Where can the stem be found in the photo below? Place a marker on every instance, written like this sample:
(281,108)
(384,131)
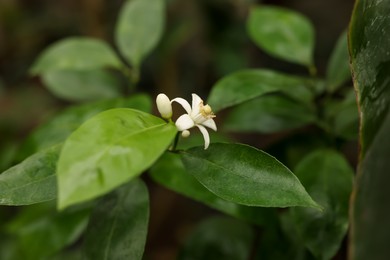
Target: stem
(312,70)
(173,148)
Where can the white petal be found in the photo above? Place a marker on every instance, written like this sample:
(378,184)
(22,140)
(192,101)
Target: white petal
(206,136)
(210,123)
(164,106)
(183,103)
(196,101)
(184,122)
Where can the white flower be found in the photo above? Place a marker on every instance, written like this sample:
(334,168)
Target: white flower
(198,115)
(164,106)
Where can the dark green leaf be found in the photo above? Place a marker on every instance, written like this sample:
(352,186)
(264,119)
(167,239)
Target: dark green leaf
(77,53)
(139,29)
(41,231)
(108,150)
(86,85)
(31,181)
(282,33)
(169,171)
(119,224)
(370,57)
(338,71)
(343,116)
(246,175)
(62,125)
(219,238)
(247,84)
(328,178)
(268,114)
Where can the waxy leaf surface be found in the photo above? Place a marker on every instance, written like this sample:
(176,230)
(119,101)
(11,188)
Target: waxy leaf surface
(169,171)
(328,178)
(369,43)
(108,150)
(57,129)
(31,181)
(119,224)
(246,175)
(248,84)
(282,33)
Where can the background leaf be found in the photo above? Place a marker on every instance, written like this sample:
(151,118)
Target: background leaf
(338,71)
(343,116)
(268,114)
(41,231)
(245,175)
(282,33)
(57,129)
(108,150)
(370,57)
(119,224)
(86,85)
(247,84)
(139,29)
(219,238)
(31,181)
(169,171)
(76,53)
(328,178)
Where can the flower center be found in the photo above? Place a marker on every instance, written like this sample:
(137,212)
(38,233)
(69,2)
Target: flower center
(205,112)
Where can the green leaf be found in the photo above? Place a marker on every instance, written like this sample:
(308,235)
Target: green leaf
(119,224)
(328,178)
(56,130)
(343,116)
(41,231)
(31,181)
(246,175)
(219,238)
(338,71)
(85,85)
(269,114)
(369,43)
(248,84)
(282,33)
(139,29)
(76,53)
(108,150)
(169,171)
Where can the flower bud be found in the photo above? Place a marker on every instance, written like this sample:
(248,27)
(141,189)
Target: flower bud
(164,106)
(185,133)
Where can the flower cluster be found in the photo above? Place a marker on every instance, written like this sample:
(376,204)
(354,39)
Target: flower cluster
(198,114)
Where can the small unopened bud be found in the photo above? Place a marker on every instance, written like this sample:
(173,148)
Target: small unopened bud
(164,106)
(185,133)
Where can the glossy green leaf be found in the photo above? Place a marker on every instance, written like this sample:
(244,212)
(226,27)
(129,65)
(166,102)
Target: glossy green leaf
(119,224)
(343,116)
(338,71)
(246,175)
(41,231)
(86,85)
(328,178)
(219,238)
(370,56)
(77,53)
(269,114)
(248,84)
(108,150)
(282,33)
(57,129)
(169,171)
(31,181)
(139,29)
